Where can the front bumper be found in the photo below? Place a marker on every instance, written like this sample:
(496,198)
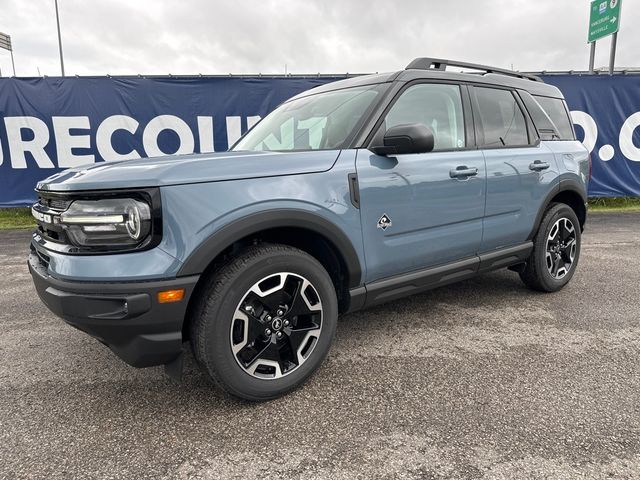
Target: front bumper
(125,316)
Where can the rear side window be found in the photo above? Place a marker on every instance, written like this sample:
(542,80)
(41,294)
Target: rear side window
(557,112)
(545,126)
(437,106)
(501,119)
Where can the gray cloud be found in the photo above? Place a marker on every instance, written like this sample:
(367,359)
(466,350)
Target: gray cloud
(329,36)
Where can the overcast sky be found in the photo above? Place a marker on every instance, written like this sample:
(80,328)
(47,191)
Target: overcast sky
(213,37)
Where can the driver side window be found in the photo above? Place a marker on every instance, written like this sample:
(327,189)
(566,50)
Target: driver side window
(437,106)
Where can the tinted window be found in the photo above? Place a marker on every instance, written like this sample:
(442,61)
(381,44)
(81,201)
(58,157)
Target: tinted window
(545,127)
(502,120)
(558,113)
(437,106)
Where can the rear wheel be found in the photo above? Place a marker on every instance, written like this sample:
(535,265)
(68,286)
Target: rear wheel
(556,250)
(265,322)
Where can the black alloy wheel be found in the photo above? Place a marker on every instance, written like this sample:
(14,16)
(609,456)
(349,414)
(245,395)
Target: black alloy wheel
(264,321)
(276,325)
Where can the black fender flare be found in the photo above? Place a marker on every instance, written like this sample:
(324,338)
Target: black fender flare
(238,229)
(565,185)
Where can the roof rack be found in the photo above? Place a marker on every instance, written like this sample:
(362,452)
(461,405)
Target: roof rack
(425,63)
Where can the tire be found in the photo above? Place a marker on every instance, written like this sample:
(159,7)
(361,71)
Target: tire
(555,248)
(271,303)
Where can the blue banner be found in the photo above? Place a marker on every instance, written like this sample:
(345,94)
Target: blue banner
(47,124)
(606,112)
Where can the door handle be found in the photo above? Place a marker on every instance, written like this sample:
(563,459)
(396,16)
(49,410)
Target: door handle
(538,166)
(463,172)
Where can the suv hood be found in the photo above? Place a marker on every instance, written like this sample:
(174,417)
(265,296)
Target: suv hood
(184,169)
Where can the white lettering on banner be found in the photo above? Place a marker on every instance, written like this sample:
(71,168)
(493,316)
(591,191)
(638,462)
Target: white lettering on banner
(234,130)
(606,152)
(18,147)
(205,134)
(627,146)
(589,126)
(65,142)
(106,130)
(167,122)
(20,142)
(251,121)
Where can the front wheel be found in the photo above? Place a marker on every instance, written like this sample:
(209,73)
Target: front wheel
(265,321)
(556,250)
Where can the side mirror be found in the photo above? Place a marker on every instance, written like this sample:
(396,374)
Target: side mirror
(409,138)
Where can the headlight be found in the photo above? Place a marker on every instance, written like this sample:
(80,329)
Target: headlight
(113,222)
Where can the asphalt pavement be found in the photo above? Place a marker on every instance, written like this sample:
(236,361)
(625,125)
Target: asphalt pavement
(483,379)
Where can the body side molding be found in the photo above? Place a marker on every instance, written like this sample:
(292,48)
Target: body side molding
(505,257)
(399,286)
(418,281)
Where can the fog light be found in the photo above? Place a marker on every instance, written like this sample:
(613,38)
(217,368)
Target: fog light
(169,296)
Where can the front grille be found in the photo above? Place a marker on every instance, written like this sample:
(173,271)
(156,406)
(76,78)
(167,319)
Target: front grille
(53,203)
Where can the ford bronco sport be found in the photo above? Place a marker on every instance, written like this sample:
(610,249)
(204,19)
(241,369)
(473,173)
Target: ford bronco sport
(351,194)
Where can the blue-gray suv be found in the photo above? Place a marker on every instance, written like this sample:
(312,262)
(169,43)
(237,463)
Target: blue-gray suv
(346,196)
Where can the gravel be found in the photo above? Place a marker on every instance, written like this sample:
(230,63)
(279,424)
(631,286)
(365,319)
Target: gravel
(483,379)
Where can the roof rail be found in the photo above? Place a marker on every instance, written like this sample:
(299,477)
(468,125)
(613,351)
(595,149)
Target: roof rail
(425,63)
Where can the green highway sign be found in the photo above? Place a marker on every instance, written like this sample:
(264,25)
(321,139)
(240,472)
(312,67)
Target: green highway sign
(5,41)
(604,18)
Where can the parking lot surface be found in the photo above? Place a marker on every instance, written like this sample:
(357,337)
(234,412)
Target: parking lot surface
(483,379)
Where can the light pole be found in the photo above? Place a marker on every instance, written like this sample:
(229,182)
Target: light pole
(59,39)
(5,43)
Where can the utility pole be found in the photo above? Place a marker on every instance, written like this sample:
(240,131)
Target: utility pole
(59,39)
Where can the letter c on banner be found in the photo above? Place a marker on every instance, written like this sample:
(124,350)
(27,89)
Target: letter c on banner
(167,122)
(106,131)
(627,147)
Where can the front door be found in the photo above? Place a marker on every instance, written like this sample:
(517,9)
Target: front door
(422,210)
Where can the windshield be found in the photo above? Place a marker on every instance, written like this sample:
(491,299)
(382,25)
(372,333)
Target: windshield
(317,122)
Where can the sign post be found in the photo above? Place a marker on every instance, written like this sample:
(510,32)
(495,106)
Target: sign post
(5,42)
(604,20)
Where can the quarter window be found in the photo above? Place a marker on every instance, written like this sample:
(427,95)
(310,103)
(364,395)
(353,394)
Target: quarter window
(501,118)
(557,112)
(437,106)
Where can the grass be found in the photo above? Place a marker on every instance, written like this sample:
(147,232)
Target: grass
(616,204)
(13,218)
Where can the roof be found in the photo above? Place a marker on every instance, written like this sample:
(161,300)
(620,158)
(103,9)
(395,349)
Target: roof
(362,80)
(429,68)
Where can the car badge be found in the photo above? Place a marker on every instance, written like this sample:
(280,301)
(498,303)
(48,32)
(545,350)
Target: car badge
(384,222)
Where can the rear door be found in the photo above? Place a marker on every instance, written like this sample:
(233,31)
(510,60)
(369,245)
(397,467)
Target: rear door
(422,210)
(521,170)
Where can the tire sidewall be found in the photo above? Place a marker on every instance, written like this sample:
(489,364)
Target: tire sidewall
(556,213)
(218,354)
